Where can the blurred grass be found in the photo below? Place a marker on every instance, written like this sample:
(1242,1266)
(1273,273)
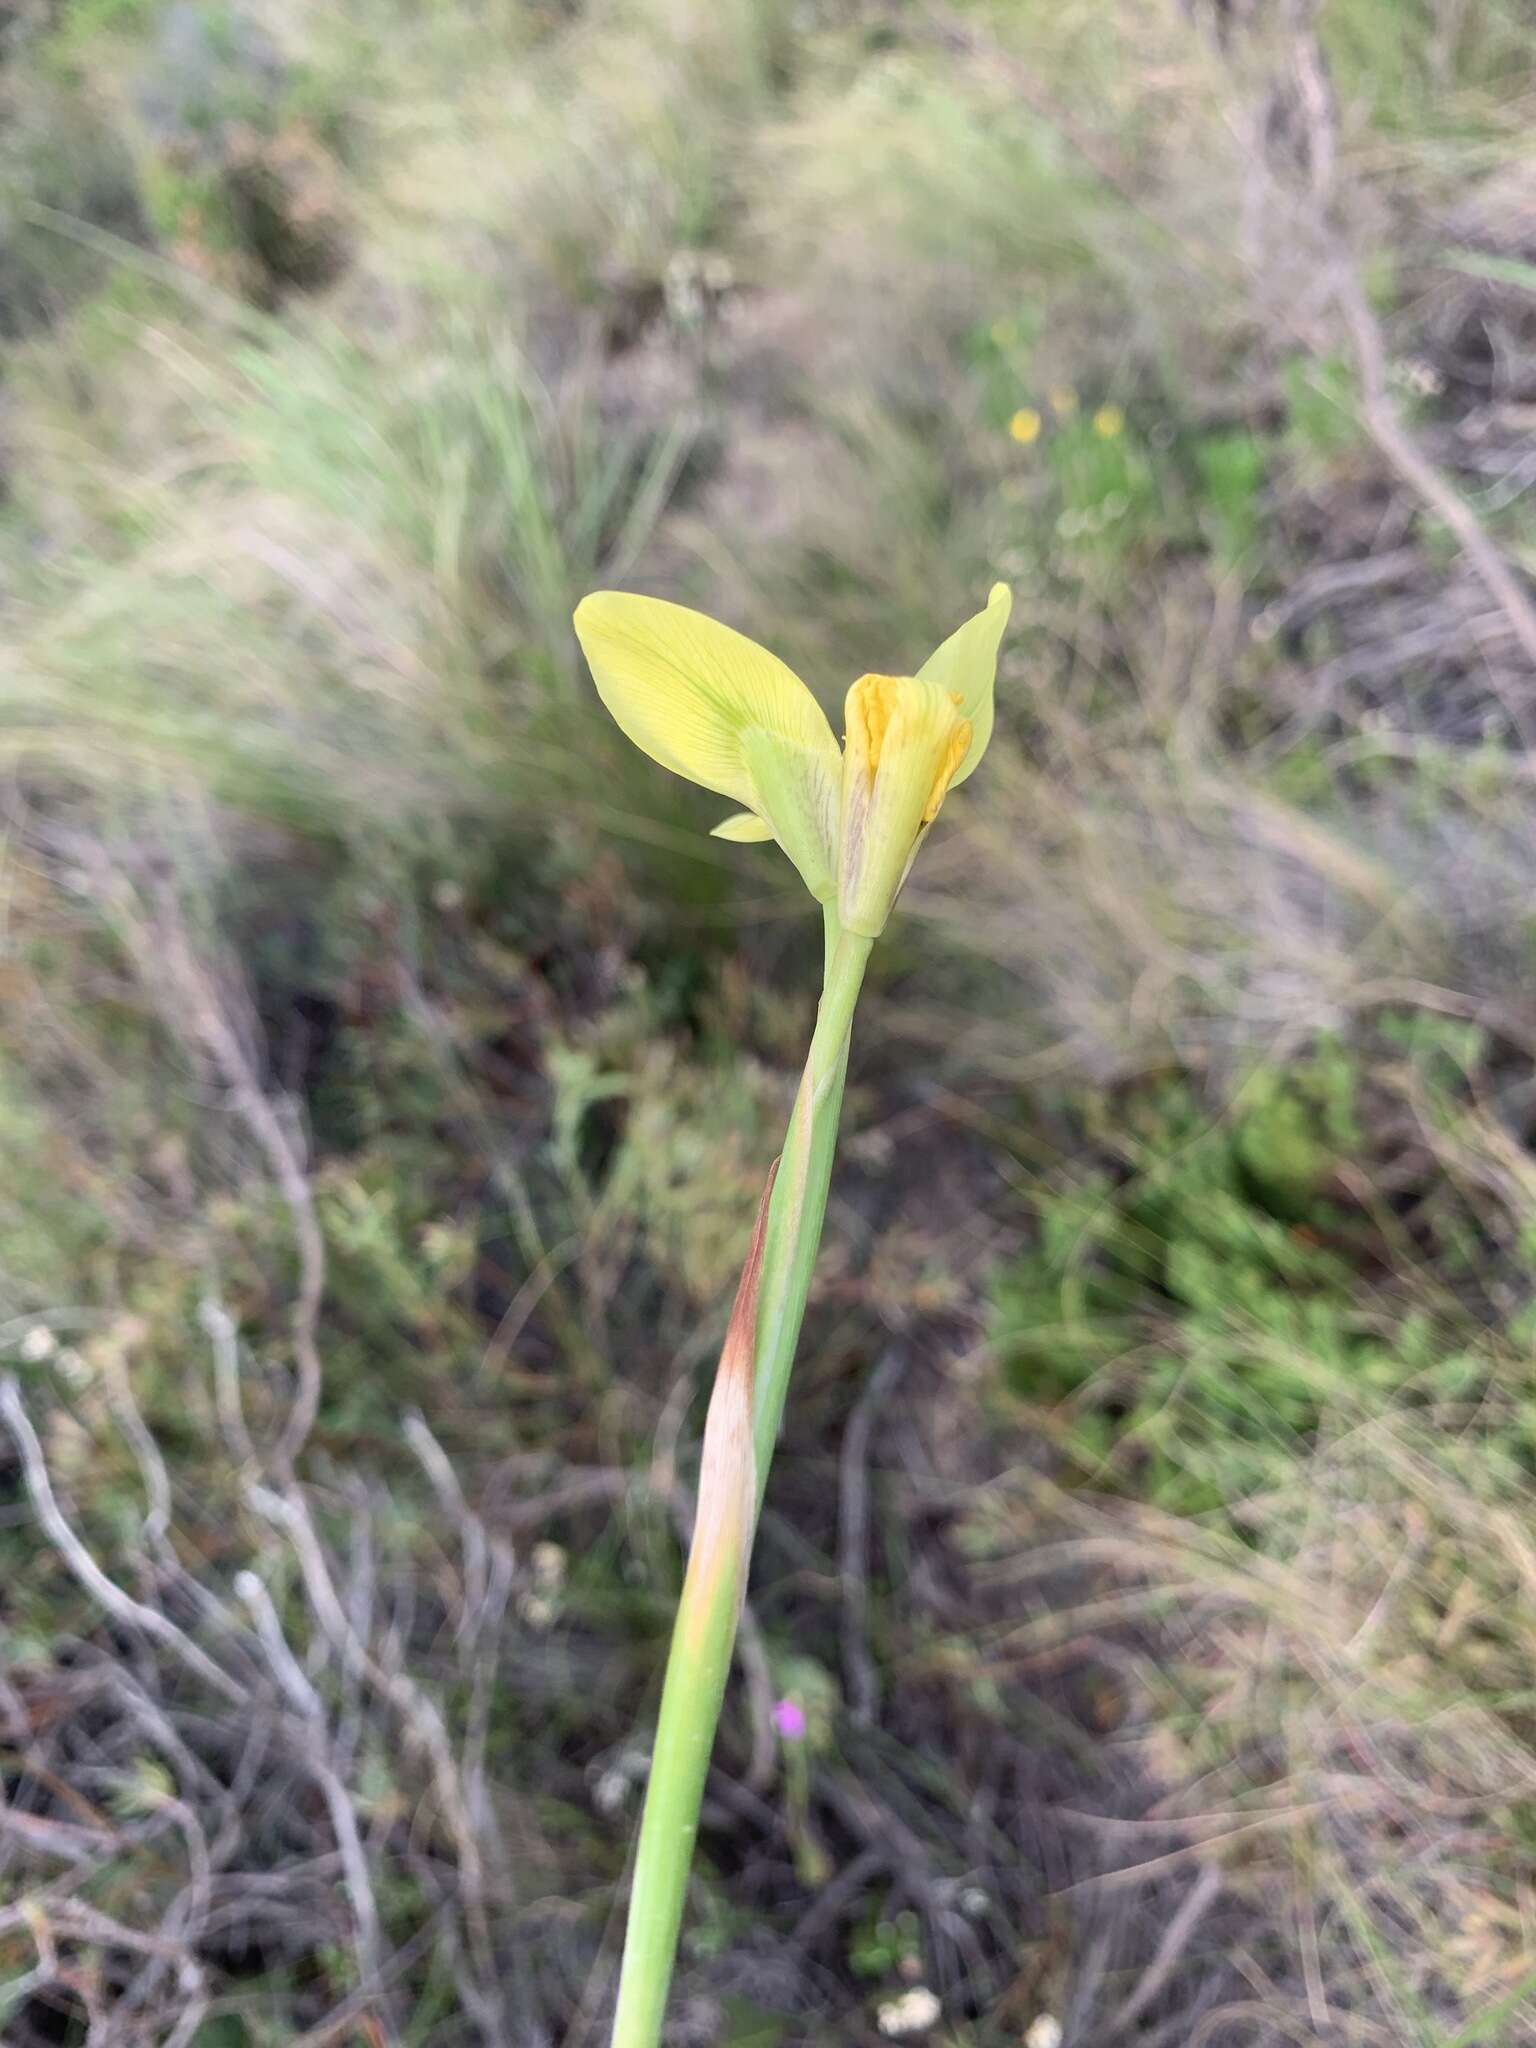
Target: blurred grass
(347,349)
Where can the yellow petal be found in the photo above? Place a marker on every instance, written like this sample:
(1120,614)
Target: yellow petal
(712,705)
(684,687)
(746,827)
(905,738)
(967,664)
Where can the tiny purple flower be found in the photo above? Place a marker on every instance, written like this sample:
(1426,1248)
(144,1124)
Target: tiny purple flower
(788,1717)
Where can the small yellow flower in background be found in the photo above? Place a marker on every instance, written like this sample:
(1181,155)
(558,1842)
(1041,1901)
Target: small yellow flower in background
(712,705)
(1108,421)
(1004,333)
(1063,401)
(1025,425)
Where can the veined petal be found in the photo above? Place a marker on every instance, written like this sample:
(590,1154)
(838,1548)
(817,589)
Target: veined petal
(710,704)
(797,789)
(743,826)
(967,664)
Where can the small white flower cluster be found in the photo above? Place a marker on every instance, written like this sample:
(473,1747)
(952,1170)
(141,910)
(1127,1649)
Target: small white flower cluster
(1044,2032)
(41,1347)
(612,1786)
(540,1602)
(1093,518)
(913,2013)
(694,279)
(1418,378)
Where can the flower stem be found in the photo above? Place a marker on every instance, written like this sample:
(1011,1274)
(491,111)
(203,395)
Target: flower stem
(799,1203)
(739,1436)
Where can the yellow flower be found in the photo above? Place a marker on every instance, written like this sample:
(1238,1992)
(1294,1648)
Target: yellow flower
(1004,333)
(713,706)
(1025,425)
(906,740)
(1108,421)
(1063,401)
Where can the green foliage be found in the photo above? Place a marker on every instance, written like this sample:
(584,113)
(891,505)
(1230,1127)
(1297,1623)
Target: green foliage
(1403,63)
(1232,469)
(880,1946)
(65,177)
(1109,490)
(450,453)
(906,155)
(1500,269)
(1322,411)
(750,2026)
(407,509)
(50,1228)
(1196,1318)
(1097,491)
(84,19)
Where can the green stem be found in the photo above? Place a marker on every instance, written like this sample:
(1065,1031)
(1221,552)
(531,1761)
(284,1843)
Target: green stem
(799,1204)
(704,1634)
(697,1667)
